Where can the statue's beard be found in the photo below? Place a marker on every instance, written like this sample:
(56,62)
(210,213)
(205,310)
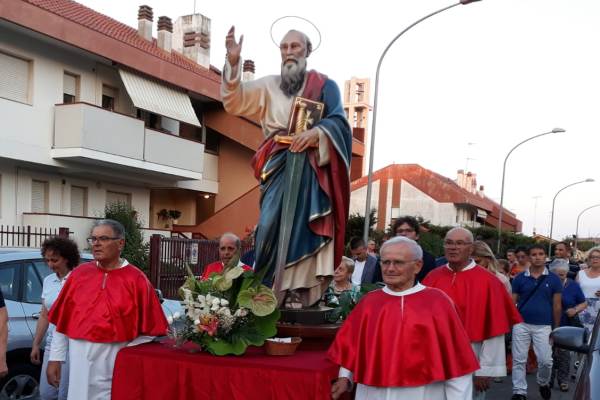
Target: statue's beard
(292,76)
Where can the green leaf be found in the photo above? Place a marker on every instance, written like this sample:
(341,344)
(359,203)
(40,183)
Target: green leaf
(261,301)
(267,325)
(223,348)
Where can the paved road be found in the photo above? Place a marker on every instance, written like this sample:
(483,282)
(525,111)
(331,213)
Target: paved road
(503,391)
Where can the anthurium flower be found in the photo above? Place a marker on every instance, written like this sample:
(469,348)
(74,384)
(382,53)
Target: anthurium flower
(223,282)
(261,301)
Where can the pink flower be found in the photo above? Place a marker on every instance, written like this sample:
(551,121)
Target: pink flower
(209,324)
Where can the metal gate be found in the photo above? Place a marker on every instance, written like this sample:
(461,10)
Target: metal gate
(169,256)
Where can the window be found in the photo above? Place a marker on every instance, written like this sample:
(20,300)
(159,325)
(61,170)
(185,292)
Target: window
(109,96)
(15,78)
(70,86)
(211,145)
(42,268)
(32,290)
(78,201)
(39,196)
(117,197)
(9,280)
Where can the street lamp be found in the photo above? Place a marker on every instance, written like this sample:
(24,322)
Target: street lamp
(577,226)
(555,130)
(552,214)
(374,124)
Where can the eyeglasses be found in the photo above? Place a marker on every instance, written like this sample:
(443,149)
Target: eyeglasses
(400,231)
(101,239)
(459,243)
(396,263)
(594,257)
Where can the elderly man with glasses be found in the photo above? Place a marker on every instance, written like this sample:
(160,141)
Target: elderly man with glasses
(485,307)
(105,305)
(405,341)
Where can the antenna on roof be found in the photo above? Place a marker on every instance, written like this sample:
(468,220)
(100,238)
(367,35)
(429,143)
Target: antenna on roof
(194,6)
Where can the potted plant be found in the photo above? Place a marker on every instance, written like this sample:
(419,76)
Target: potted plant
(174,215)
(163,215)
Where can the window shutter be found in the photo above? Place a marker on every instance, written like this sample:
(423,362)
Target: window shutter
(116,197)
(14,79)
(78,201)
(70,84)
(39,196)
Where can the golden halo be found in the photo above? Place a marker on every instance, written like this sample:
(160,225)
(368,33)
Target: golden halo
(303,21)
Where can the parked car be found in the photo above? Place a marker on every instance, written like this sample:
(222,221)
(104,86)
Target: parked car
(587,344)
(22,273)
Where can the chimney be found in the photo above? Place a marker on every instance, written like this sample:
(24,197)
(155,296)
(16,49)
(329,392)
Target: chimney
(145,17)
(248,71)
(191,37)
(165,33)
(460,178)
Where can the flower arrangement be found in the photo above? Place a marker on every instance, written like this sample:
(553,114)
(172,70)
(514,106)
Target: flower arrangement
(229,311)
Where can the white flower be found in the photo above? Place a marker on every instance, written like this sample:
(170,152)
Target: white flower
(216,301)
(224,303)
(196,322)
(215,307)
(241,312)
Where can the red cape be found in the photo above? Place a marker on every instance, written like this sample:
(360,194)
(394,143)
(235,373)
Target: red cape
(217,267)
(107,306)
(413,340)
(485,307)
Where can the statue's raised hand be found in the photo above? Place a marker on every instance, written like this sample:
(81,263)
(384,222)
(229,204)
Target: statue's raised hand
(234,49)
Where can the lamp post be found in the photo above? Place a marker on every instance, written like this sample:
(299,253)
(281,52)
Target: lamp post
(577,226)
(555,130)
(552,214)
(374,123)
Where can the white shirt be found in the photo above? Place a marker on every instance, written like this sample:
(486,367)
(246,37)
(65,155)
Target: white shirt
(359,267)
(50,291)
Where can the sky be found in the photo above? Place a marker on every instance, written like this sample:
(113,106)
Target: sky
(457,91)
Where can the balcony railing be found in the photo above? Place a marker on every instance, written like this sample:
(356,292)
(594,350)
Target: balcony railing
(87,133)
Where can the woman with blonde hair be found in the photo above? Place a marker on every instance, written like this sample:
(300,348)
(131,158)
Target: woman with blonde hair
(589,280)
(483,255)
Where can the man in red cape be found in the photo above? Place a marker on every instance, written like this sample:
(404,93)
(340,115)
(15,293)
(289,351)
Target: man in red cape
(105,305)
(229,245)
(317,223)
(483,304)
(404,341)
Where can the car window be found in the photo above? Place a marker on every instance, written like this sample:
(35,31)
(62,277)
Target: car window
(32,289)
(42,268)
(9,282)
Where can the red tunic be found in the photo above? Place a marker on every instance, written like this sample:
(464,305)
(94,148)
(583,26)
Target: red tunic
(401,341)
(217,267)
(105,306)
(485,307)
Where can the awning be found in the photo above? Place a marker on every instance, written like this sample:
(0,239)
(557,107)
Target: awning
(152,95)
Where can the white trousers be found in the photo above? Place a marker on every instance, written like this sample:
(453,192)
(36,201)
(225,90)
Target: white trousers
(460,388)
(523,335)
(91,369)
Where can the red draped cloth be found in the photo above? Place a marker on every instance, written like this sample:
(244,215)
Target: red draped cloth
(157,372)
(401,341)
(485,307)
(107,306)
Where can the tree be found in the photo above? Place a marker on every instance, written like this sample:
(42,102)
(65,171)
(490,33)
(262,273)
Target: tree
(135,251)
(356,225)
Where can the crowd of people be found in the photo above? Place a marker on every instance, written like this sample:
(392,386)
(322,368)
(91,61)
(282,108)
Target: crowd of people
(470,320)
(507,307)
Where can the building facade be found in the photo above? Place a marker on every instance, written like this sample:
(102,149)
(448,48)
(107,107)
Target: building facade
(95,112)
(409,189)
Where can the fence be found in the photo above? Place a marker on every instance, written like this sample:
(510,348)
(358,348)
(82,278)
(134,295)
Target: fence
(169,256)
(26,236)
